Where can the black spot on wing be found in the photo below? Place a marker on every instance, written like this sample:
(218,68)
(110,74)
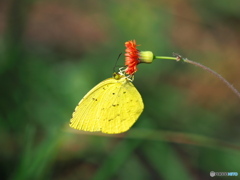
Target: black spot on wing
(123,120)
(115,105)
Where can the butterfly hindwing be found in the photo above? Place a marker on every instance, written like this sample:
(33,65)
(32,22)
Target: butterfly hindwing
(124,109)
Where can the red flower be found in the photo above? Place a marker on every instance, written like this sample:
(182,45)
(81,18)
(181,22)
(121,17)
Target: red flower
(132,57)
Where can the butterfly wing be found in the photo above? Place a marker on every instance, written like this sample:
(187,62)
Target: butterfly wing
(124,108)
(111,107)
(85,115)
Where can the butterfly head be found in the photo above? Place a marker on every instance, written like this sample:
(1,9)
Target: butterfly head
(122,74)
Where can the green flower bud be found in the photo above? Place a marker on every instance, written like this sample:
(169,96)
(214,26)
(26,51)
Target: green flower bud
(146,57)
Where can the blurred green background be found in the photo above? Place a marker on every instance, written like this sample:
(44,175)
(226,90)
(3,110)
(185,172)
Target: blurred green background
(53,52)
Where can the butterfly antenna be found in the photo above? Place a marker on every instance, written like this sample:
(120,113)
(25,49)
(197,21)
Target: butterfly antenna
(116,62)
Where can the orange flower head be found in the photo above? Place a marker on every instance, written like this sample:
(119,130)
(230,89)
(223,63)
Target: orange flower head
(133,57)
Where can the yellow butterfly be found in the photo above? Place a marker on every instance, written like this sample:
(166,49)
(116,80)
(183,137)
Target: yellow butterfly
(111,107)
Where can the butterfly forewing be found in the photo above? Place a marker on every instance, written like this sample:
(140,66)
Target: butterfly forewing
(111,107)
(83,117)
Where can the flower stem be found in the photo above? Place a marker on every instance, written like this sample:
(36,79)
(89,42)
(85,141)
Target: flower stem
(179,58)
(216,74)
(165,57)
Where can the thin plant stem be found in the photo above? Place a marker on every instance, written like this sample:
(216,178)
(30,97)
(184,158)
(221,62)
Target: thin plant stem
(216,74)
(165,57)
(179,58)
